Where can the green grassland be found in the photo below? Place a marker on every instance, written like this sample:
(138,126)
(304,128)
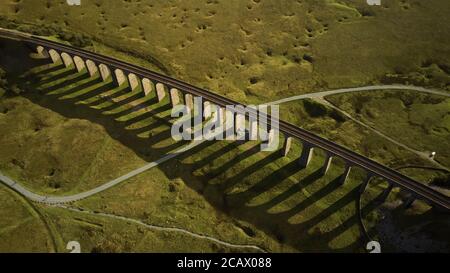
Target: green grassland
(99,233)
(186,193)
(420,121)
(65,133)
(256,51)
(28,227)
(226,190)
(331,124)
(22,227)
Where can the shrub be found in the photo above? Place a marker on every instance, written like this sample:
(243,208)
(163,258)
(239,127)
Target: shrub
(76,39)
(315,109)
(442,181)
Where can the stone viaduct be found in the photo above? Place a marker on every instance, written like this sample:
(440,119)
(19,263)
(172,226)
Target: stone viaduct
(178,92)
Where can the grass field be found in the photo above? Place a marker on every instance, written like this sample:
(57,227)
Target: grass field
(327,123)
(255,51)
(420,121)
(184,193)
(22,227)
(68,133)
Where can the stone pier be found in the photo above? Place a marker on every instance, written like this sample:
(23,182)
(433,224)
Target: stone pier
(207,111)
(240,126)
(92,68)
(79,64)
(67,60)
(160,91)
(134,81)
(147,86)
(189,102)
(120,77)
(271,137)
(42,52)
(174,97)
(253,130)
(326,164)
(306,156)
(345,174)
(229,125)
(54,55)
(287,145)
(105,72)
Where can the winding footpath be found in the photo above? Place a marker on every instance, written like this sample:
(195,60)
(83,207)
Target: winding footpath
(320,97)
(399,87)
(169,229)
(60,201)
(57,200)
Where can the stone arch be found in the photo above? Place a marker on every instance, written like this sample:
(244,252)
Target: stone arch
(135,83)
(306,154)
(120,76)
(67,60)
(160,91)
(207,111)
(92,68)
(54,55)
(189,102)
(42,52)
(239,126)
(174,96)
(105,72)
(147,85)
(79,63)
